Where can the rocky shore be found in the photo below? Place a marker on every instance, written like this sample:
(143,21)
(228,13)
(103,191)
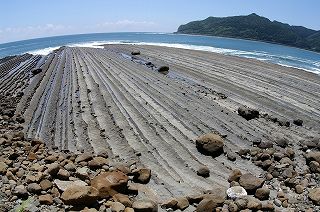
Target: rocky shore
(142,128)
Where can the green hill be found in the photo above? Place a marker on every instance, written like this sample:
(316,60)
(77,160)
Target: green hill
(254,27)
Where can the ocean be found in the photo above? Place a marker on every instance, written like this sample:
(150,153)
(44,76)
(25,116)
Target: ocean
(273,53)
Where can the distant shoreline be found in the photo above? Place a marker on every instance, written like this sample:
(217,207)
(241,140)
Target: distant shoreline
(238,38)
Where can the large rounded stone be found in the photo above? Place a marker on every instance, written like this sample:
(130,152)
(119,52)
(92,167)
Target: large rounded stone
(80,195)
(248,113)
(313,156)
(250,182)
(203,171)
(314,195)
(210,144)
(145,206)
(142,175)
(262,193)
(110,183)
(235,175)
(236,192)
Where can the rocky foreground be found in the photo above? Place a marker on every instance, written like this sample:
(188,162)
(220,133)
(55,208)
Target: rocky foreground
(141,128)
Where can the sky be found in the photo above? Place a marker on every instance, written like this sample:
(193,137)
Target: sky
(25,19)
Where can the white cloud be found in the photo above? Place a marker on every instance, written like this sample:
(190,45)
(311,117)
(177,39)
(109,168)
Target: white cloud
(126,25)
(26,32)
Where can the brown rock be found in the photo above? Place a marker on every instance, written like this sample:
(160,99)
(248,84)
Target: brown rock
(212,201)
(3,168)
(250,182)
(110,183)
(142,175)
(80,195)
(235,175)
(207,205)
(46,199)
(182,203)
(32,156)
(82,173)
(63,174)
(70,167)
(299,189)
(267,206)
(97,162)
(34,188)
(203,171)
(169,204)
(53,169)
(116,206)
(83,157)
(313,156)
(254,204)
(51,159)
(262,193)
(45,184)
(195,198)
(314,167)
(124,199)
(63,185)
(210,144)
(314,195)
(145,206)
(20,191)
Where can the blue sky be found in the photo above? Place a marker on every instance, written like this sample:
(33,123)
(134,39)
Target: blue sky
(24,19)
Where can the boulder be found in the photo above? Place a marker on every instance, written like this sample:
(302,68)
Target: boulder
(248,113)
(182,203)
(45,184)
(34,188)
(46,199)
(110,183)
(209,204)
(70,167)
(282,142)
(236,192)
(83,157)
(82,173)
(53,169)
(145,206)
(298,122)
(63,185)
(254,204)
(235,175)
(210,144)
(20,191)
(124,199)
(117,207)
(80,195)
(135,52)
(313,156)
(262,193)
(163,70)
(142,175)
(3,168)
(314,195)
(97,162)
(63,174)
(250,182)
(169,204)
(203,171)
(36,71)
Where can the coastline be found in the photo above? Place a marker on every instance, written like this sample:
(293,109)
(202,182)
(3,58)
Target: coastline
(253,40)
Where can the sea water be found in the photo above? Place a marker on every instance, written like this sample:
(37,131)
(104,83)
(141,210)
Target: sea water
(273,53)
